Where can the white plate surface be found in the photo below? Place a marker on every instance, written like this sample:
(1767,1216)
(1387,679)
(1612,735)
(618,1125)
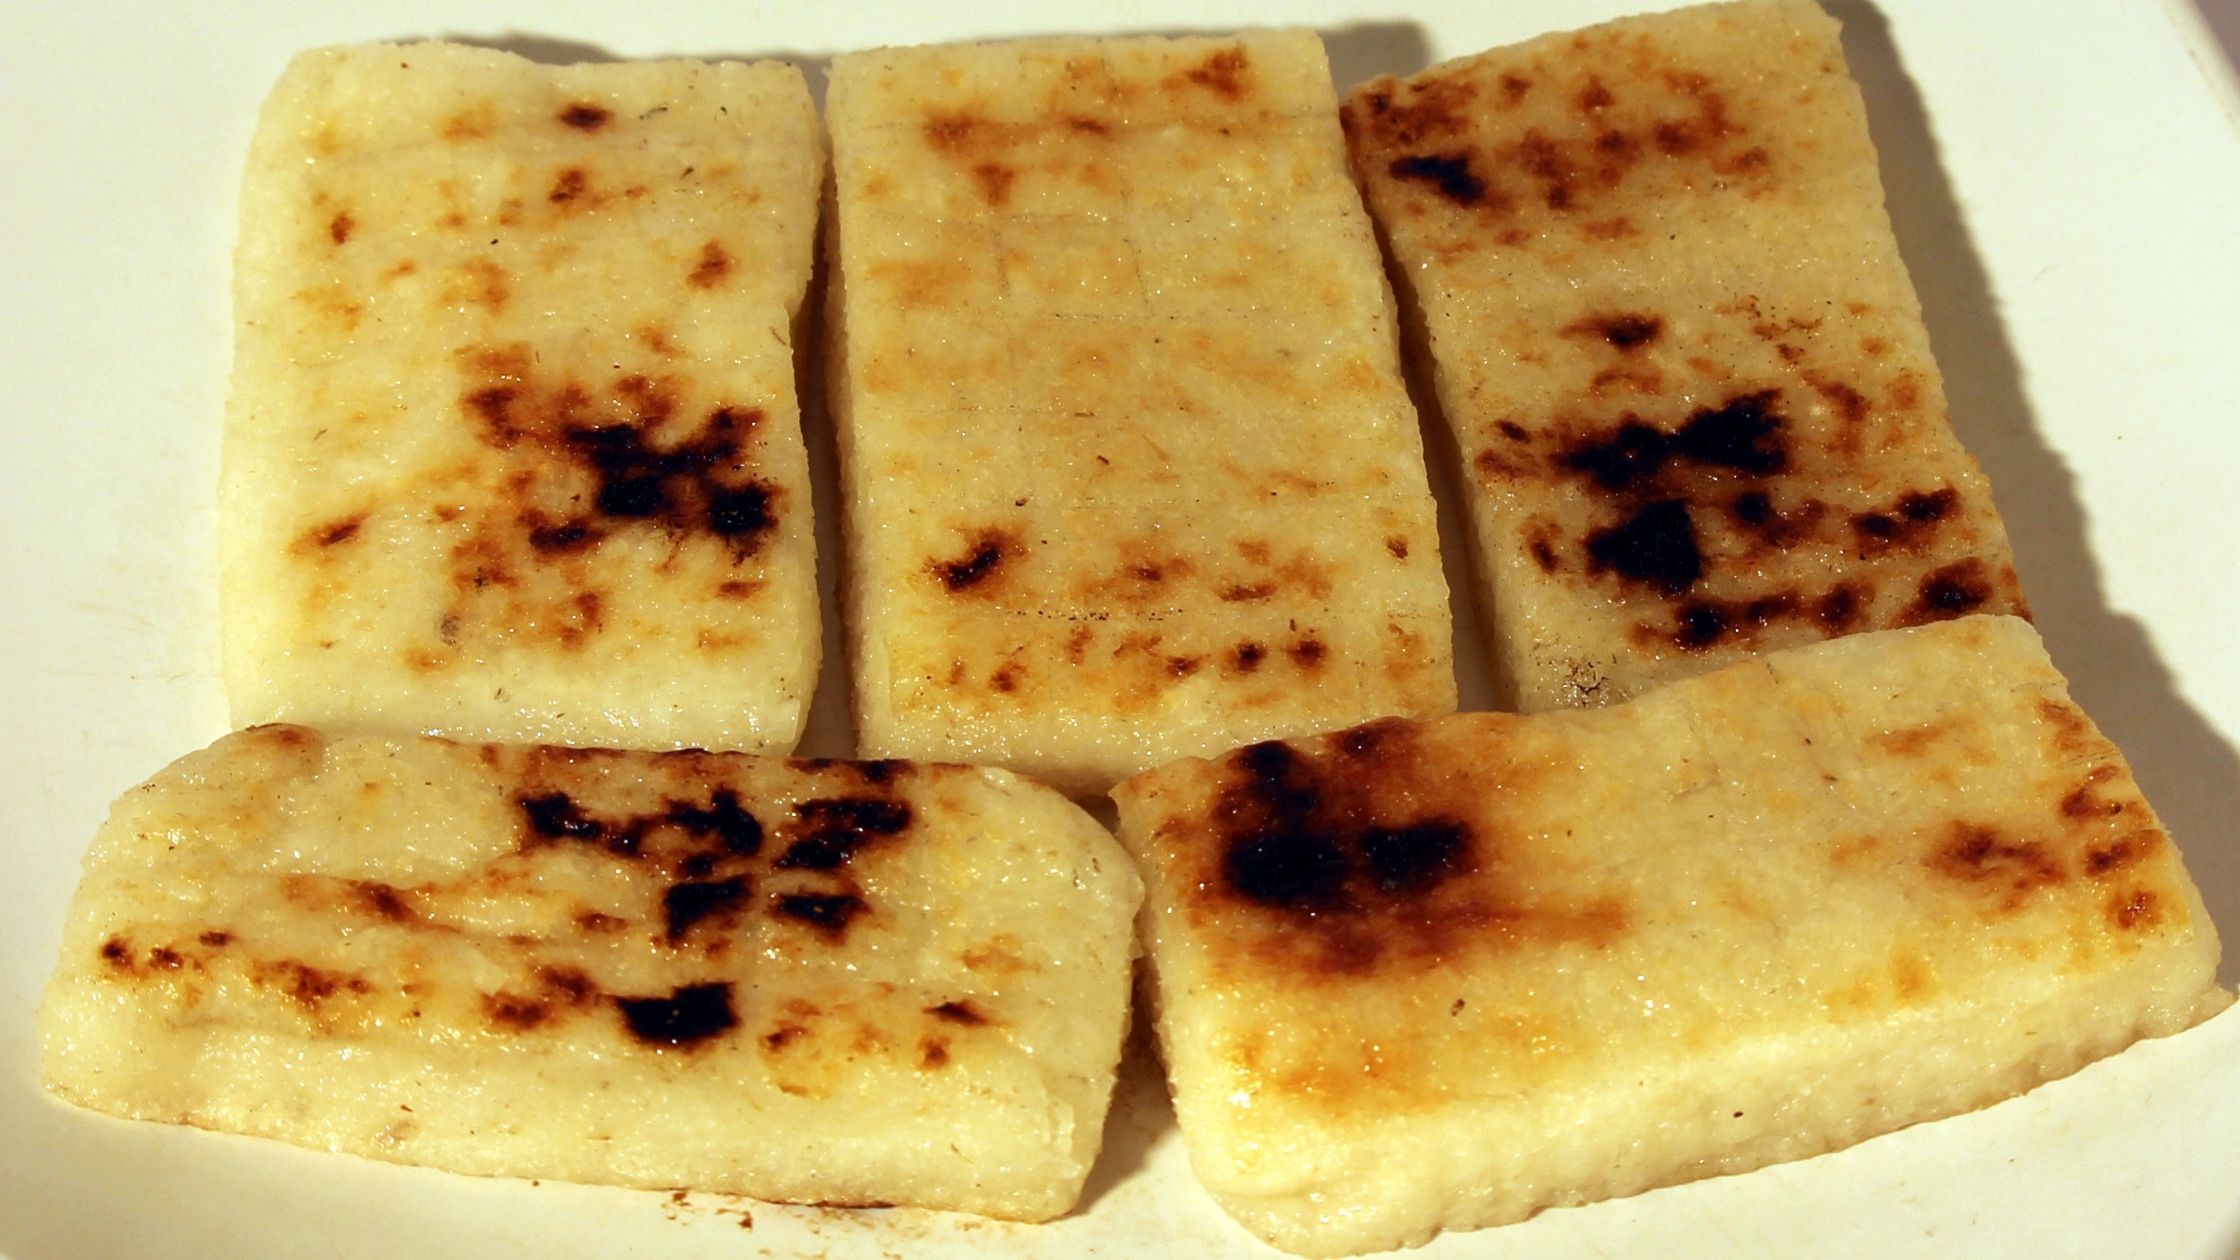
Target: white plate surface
(2065,180)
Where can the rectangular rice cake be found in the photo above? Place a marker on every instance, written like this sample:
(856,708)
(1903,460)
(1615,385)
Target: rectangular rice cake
(512,449)
(1426,975)
(1128,464)
(1684,365)
(813,981)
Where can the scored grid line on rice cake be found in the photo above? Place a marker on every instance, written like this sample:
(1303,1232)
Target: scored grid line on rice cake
(1683,362)
(513,449)
(1441,974)
(1129,467)
(793,980)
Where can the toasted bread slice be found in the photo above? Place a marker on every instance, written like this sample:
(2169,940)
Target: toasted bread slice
(1426,975)
(815,981)
(512,450)
(1681,357)
(1128,465)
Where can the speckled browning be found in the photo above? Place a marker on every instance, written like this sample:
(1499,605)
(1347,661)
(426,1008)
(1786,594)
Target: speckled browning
(1655,216)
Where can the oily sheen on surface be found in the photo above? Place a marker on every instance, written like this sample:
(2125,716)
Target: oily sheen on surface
(1681,357)
(1430,975)
(815,981)
(1129,467)
(512,449)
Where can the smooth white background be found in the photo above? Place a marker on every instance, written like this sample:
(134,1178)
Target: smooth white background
(2064,180)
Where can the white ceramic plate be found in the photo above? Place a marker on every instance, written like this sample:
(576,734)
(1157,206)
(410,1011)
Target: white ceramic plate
(2064,182)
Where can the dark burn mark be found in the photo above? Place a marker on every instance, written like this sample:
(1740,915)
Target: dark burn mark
(2104,860)
(691,1014)
(335,533)
(216,938)
(1704,622)
(1624,331)
(1404,859)
(833,828)
(1450,174)
(830,914)
(1308,652)
(1247,656)
(1839,610)
(382,900)
(1656,546)
(685,905)
(340,227)
(960,1012)
(556,815)
(933,1053)
(1742,434)
(1981,856)
(987,552)
(165,958)
(1288,870)
(584,116)
(713,266)
(1952,591)
(723,819)
(994,180)
(1513,431)
(1906,524)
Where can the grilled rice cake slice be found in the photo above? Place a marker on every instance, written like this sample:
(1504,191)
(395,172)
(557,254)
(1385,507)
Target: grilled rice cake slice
(814,981)
(513,449)
(1681,357)
(1129,469)
(1425,975)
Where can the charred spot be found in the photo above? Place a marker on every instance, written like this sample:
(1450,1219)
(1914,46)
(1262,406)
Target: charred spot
(829,913)
(1308,652)
(1975,854)
(570,984)
(1247,592)
(556,815)
(686,905)
(1624,331)
(2102,860)
(740,512)
(1655,545)
(1007,676)
(1741,434)
(781,1036)
(513,1012)
(1404,859)
(340,227)
(1184,666)
(714,264)
(986,554)
(950,132)
(1704,622)
(1398,546)
(1839,609)
(1848,402)
(1952,591)
(381,900)
(1225,72)
(1594,97)
(691,1014)
(165,958)
(216,938)
(1513,431)
(1917,506)
(724,819)
(335,533)
(933,1052)
(584,116)
(600,922)
(1751,507)
(1247,656)
(1449,174)
(960,1012)
(568,185)
(306,985)
(561,537)
(831,829)
(1287,869)
(1632,453)
(1088,126)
